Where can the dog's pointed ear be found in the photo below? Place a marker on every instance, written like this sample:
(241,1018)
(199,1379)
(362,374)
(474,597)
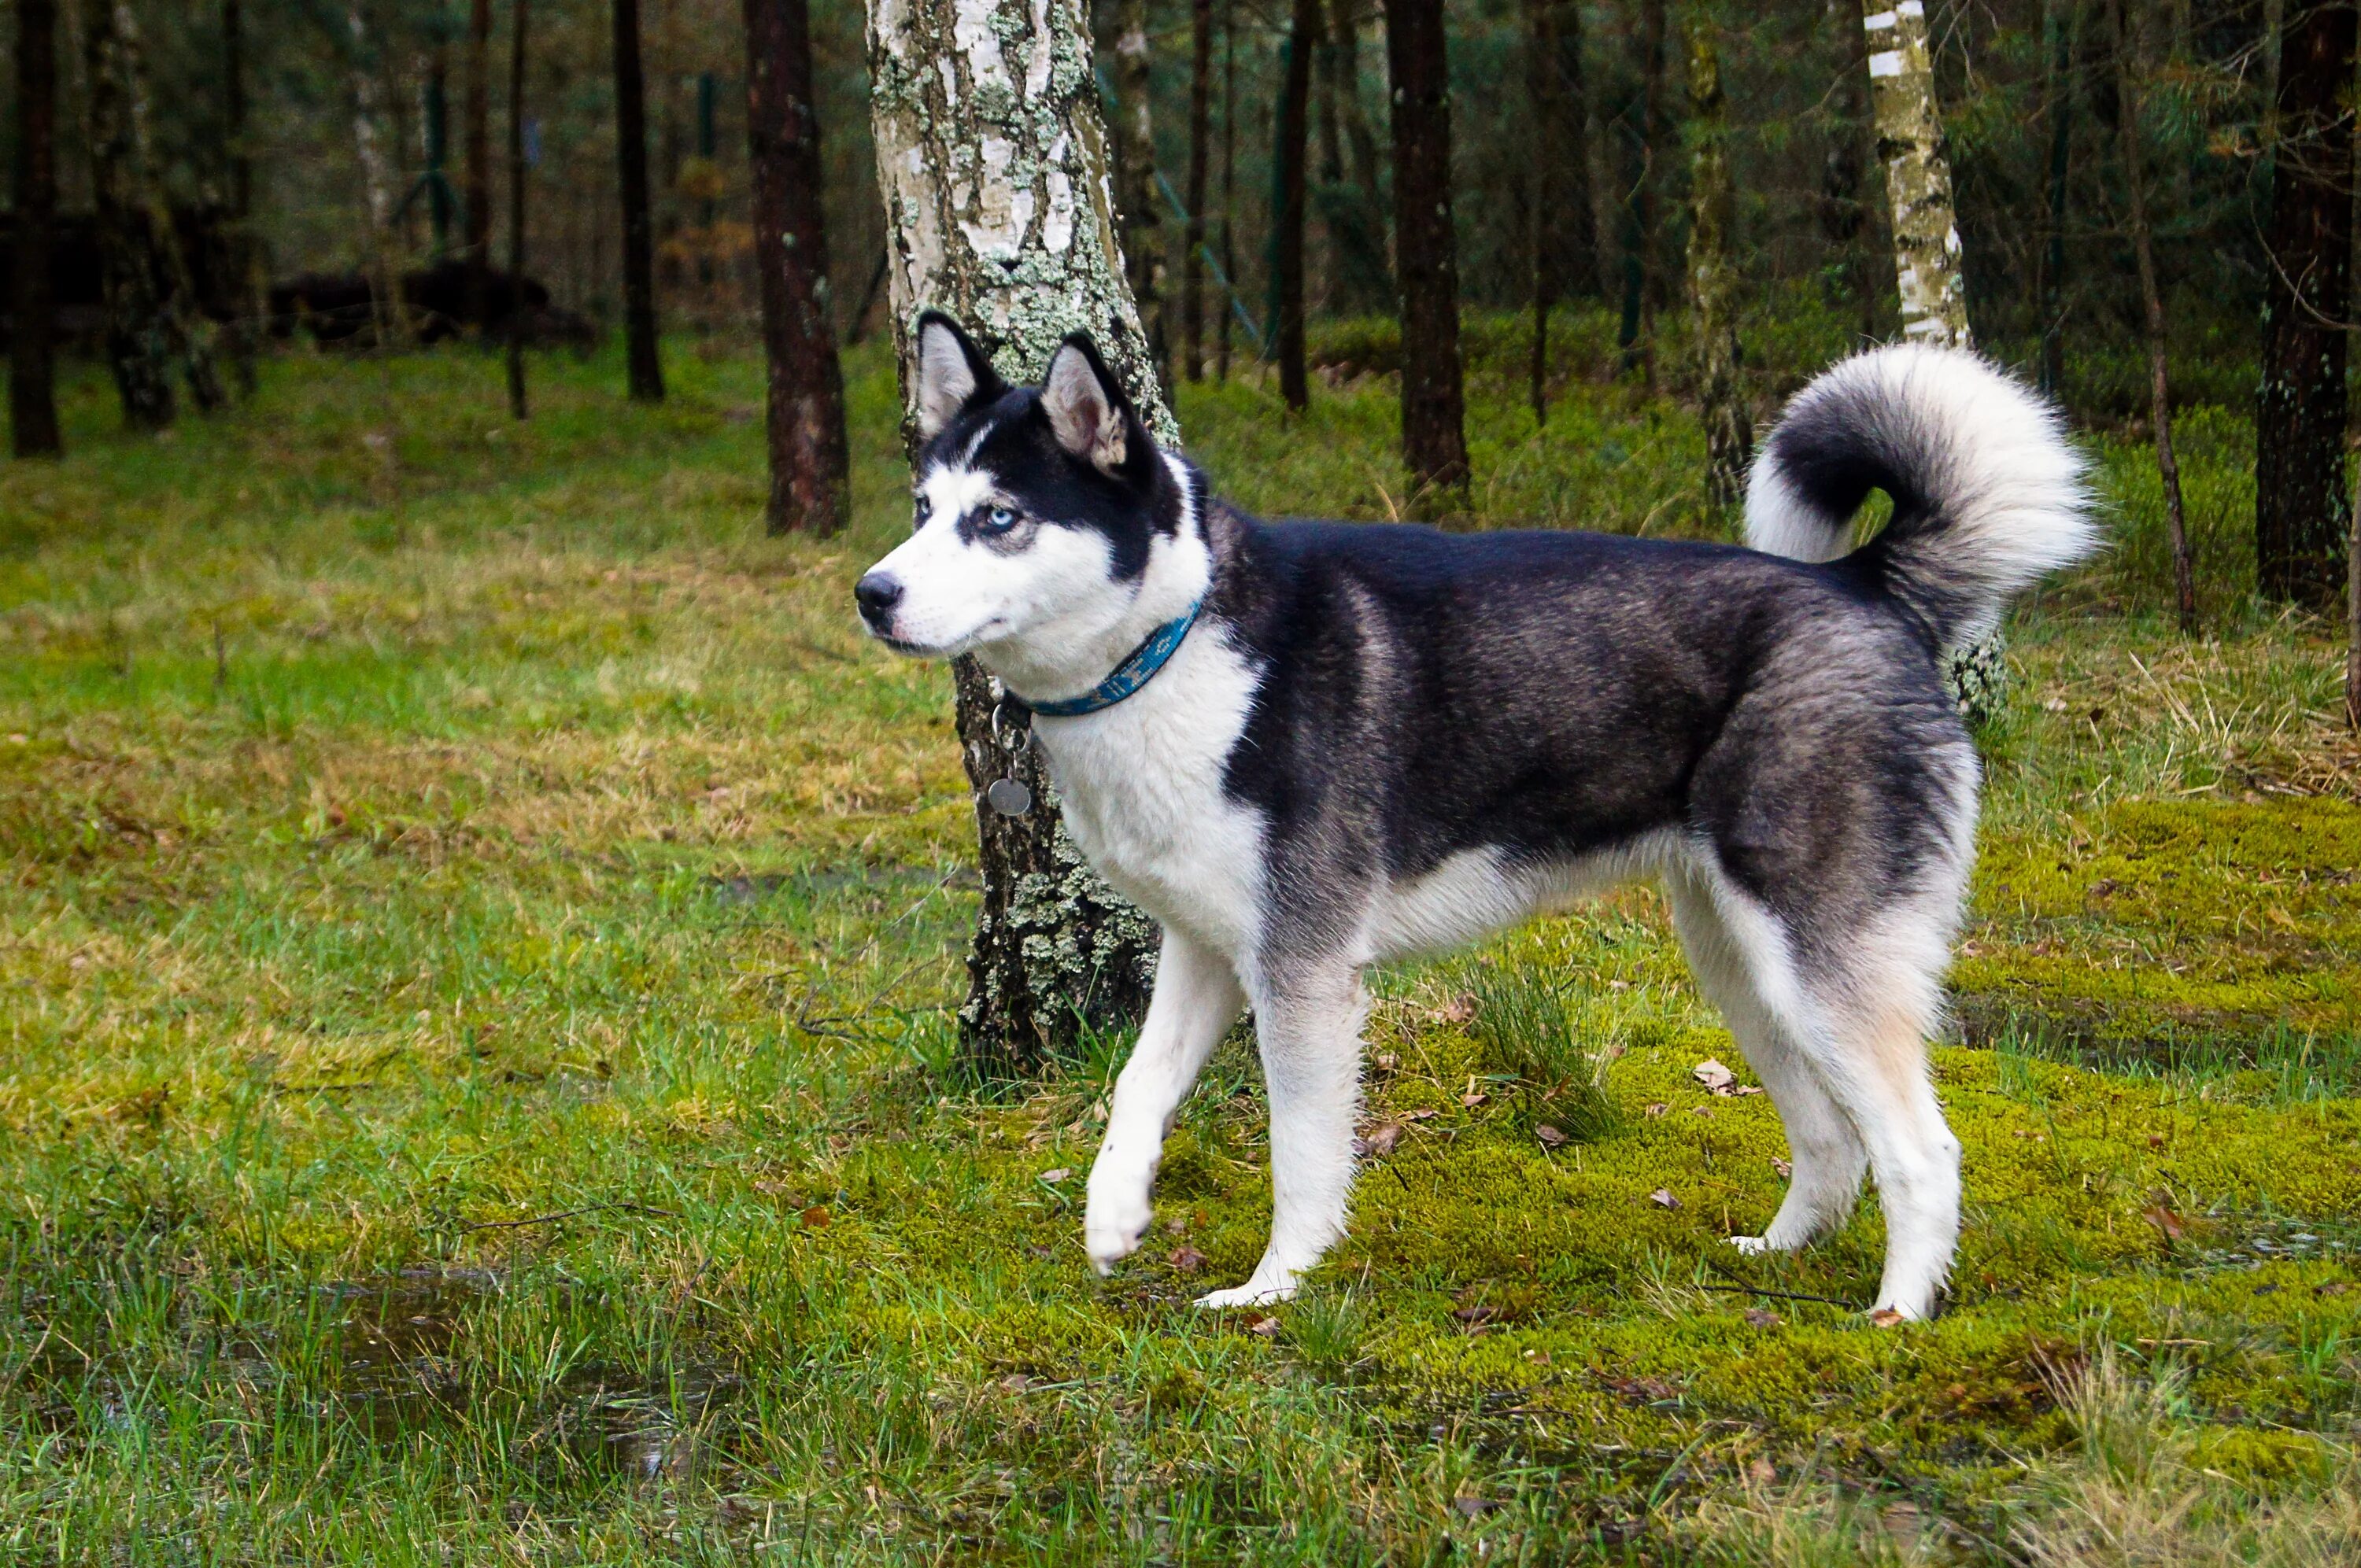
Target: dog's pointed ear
(1088,413)
(953,374)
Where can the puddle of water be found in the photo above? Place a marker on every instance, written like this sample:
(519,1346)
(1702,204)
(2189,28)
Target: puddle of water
(403,1363)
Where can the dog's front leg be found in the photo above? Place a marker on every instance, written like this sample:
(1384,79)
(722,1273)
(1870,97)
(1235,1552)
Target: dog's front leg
(1309,1026)
(1196,1001)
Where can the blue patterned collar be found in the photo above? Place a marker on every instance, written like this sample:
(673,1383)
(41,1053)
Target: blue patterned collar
(1129,676)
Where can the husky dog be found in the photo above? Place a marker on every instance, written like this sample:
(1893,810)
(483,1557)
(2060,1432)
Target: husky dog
(1308,746)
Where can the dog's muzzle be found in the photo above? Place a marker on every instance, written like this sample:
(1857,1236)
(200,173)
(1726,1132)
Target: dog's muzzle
(878,594)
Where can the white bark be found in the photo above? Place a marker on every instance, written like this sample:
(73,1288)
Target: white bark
(1918,174)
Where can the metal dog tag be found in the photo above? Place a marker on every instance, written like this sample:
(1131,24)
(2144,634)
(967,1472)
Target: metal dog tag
(1009,797)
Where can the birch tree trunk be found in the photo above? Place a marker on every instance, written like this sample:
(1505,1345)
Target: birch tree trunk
(993,164)
(1925,257)
(1918,174)
(1713,280)
(810,465)
(32,363)
(377,185)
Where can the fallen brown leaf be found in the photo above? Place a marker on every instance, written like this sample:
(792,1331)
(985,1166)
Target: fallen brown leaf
(1055,1176)
(1265,1327)
(1550,1136)
(1782,1166)
(815,1218)
(1758,1318)
(1886,1318)
(1716,1077)
(1187,1259)
(1663,1199)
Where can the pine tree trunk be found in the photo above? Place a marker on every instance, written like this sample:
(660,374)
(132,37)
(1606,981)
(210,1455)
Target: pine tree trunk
(138,336)
(1192,273)
(1713,279)
(810,467)
(1565,244)
(476,139)
(2060,20)
(993,162)
(1434,438)
(1142,224)
(2184,576)
(1918,174)
(1229,247)
(1286,245)
(645,366)
(2302,509)
(520,24)
(1845,208)
(32,355)
(242,337)
(1643,286)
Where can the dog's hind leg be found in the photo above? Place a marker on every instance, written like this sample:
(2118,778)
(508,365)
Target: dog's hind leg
(1196,999)
(1308,1028)
(1858,1012)
(1829,1159)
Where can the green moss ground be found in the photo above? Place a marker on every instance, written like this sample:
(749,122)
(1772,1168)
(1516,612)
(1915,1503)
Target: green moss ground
(475,925)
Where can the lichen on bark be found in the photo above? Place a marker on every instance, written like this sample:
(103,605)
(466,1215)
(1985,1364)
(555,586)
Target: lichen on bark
(992,162)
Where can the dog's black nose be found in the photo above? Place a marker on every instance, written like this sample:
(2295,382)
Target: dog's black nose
(876,593)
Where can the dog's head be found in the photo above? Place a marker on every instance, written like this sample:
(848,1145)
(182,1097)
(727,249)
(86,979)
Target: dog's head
(1043,513)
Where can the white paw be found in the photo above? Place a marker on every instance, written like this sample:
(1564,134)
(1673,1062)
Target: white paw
(1116,1220)
(1250,1294)
(1752,1246)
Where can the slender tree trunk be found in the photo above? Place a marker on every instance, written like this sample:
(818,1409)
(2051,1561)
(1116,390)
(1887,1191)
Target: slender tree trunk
(1565,244)
(2061,21)
(1713,279)
(1287,249)
(1925,257)
(1368,279)
(1192,272)
(1844,208)
(993,162)
(32,363)
(241,338)
(647,369)
(2184,578)
(139,334)
(520,23)
(1642,285)
(1142,224)
(1434,438)
(377,181)
(2302,506)
(1229,185)
(1541,95)
(1918,174)
(476,137)
(810,467)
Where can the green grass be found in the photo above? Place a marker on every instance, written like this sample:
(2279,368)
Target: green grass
(476,929)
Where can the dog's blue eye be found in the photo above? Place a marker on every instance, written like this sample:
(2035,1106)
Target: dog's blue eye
(999,520)
(925,509)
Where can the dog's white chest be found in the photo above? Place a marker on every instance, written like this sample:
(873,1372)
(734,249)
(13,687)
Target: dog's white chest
(1141,783)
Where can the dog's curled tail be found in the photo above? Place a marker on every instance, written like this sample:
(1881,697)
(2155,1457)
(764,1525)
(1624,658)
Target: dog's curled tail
(1988,497)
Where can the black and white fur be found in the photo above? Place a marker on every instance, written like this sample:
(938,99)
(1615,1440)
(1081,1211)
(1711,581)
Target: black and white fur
(1381,740)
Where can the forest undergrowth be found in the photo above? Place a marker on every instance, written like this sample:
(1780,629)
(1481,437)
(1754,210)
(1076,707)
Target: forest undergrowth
(477,930)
